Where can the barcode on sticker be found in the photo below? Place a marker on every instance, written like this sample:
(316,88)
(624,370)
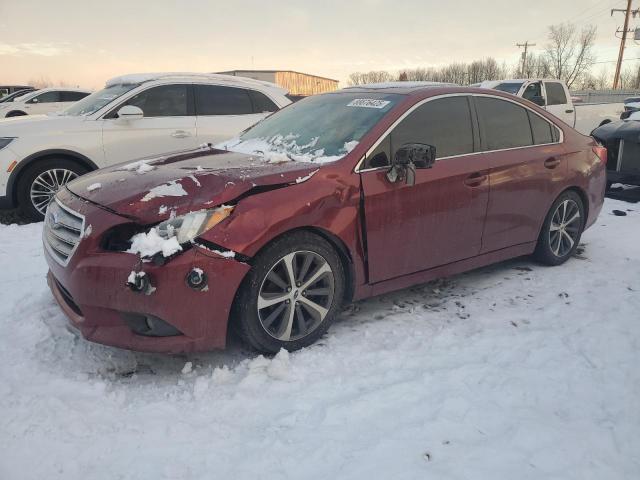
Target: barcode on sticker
(368,103)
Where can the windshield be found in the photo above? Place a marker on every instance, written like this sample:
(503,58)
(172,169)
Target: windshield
(319,129)
(94,102)
(509,87)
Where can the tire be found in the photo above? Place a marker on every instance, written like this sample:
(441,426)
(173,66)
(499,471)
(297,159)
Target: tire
(15,114)
(561,231)
(46,172)
(296,324)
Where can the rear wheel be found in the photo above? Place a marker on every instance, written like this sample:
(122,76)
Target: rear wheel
(16,114)
(292,294)
(41,181)
(562,230)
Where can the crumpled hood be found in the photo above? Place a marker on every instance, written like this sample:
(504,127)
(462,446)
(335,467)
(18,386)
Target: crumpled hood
(628,130)
(184,182)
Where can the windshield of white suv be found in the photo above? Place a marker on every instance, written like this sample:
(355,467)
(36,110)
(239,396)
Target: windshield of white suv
(318,129)
(97,100)
(509,87)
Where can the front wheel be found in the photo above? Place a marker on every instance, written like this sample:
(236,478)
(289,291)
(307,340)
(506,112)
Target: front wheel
(291,295)
(41,181)
(561,230)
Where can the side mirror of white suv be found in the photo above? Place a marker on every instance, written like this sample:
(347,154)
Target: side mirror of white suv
(129,113)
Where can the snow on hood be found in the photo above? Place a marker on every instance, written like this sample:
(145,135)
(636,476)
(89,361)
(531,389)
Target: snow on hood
(177,184)
(281,149)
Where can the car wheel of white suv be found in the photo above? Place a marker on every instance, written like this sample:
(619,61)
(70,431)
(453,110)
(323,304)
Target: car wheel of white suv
(41,181)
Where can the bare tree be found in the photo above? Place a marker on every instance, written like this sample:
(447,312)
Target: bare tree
(569,52)
(360,78)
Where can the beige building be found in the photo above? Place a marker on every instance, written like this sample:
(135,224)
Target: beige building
(299,84)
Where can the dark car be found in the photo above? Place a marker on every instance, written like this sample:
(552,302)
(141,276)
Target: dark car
(335,198)
(622,139)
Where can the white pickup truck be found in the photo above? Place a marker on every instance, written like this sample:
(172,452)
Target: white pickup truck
(553,96)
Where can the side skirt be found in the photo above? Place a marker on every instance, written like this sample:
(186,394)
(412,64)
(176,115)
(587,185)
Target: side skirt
(461,266)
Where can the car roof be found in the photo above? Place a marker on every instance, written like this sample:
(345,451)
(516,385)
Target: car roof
(140,78)
(416,89)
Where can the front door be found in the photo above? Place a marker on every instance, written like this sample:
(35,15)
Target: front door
(168,125)
(440,219)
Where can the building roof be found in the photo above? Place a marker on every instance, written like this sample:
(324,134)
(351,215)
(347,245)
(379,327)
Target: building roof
(231,72)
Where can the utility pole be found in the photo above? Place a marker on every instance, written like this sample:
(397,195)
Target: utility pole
(526,45)
(627,12)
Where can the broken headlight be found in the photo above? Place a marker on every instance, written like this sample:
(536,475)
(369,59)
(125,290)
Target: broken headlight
(187,227)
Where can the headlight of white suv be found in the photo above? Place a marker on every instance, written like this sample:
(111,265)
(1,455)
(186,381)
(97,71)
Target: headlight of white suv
(4,141)
(187,227)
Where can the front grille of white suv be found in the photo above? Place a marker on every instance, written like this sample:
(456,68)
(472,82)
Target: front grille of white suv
(62,231)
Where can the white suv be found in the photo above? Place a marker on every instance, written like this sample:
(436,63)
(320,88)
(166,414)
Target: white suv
(47,100)
(133,116)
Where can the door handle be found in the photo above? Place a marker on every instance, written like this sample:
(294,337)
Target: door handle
(568,111)
(180,134)
(475,179)
(551,162)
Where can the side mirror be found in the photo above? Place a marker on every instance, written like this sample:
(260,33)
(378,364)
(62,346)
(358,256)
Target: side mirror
(538,100)
(33,100)
(408,158)
(130,112)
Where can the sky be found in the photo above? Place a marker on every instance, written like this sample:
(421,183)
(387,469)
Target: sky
(85,42)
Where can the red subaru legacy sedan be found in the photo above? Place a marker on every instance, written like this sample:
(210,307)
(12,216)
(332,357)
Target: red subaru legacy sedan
(335,198)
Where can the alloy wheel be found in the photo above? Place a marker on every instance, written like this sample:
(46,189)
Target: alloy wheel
(47,184)
(296,295)
(565,228)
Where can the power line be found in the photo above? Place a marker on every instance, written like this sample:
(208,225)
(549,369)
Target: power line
(625,30)
(526,45)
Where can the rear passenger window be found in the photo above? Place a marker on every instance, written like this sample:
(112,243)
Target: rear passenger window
(218,100)
(540,128)
(72,96)
(555,93)
(444,123)
(504,124)
(262,103)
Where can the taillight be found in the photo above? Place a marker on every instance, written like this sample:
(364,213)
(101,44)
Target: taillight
(601,153)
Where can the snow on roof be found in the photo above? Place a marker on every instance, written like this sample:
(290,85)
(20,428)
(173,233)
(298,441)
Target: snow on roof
(138,78)
(404,85)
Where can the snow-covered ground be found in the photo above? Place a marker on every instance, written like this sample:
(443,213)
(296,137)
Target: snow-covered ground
(515,371)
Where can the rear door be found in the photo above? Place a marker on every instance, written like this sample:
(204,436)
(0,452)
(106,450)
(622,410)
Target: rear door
(558,102)
(527,165)
(440,219)
(168,125)
(223,112)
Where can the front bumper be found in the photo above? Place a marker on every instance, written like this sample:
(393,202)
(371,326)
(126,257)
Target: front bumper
(91,289)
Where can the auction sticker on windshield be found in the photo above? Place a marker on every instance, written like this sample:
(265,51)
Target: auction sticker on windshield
(368,103)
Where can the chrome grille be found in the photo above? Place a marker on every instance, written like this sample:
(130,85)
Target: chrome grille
(62,231)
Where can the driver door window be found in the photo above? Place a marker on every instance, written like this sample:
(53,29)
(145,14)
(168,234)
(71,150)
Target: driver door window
(163,101)
(444,123)
(168,125)
(532,90)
